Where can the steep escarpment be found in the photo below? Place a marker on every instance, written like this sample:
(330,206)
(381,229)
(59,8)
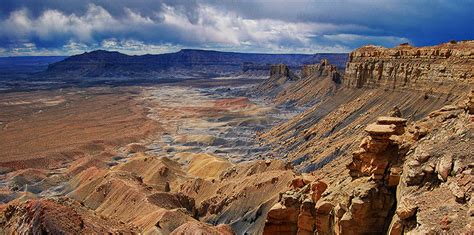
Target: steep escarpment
(336,120)
(281,77)
(430,69)
(415,149)
(318,81)
(367,157)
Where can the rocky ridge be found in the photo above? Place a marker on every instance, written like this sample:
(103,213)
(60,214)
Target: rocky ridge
(429,69)
(396,180)
(414,181)
(318,81)
(186,63)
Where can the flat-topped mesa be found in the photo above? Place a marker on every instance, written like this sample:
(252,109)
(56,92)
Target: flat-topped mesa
(322,69)
(281,70)
(280,77)
(375,154)
(418,68)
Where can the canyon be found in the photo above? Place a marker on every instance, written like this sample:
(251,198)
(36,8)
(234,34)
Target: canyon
(379,145)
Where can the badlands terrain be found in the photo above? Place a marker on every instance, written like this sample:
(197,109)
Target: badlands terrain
(380,145)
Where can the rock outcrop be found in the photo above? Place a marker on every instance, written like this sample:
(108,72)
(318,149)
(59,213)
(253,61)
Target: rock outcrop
(375,170)
(436,185)
(318,82)
(416,179)
(280,78)
(363,205)
(429,69)
(323,69)
(379,151)
(295,212)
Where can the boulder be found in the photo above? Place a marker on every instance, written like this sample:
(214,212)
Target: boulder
(444,167)
(406,209)
(317,189)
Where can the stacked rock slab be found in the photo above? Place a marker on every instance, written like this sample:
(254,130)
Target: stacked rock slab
(323,69)
(295,212)
(378,150)
(280,73)
(375,172)
(418,68)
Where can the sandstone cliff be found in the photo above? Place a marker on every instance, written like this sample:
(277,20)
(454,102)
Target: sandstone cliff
(434,68)
(318,81)
(408,175)
(280,78)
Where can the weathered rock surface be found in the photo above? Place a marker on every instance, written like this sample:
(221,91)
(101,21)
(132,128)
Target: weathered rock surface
(407,67)
(318,81)
(295,212)
(436,186)
(280,78)
(402,182)
(56,216)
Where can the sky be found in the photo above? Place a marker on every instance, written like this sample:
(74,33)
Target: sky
(67,27)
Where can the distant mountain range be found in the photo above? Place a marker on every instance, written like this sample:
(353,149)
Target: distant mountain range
(27,64)
(185,63)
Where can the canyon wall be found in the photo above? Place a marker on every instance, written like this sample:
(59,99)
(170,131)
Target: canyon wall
(433,68)
(410,172)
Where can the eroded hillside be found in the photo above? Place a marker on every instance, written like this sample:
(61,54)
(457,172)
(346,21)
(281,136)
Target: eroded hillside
(384,177)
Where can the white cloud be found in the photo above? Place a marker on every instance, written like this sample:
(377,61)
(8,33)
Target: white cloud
(53,23)
(211,28)
(219,28)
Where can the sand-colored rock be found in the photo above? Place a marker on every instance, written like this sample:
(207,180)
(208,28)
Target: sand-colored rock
(411,67)
(56,216)
(203,165)
(444,167)
(198,228)
(318,81)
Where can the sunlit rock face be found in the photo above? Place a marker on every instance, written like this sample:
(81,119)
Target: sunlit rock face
(411,67)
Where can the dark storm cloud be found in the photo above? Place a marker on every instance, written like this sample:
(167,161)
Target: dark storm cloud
(141,26)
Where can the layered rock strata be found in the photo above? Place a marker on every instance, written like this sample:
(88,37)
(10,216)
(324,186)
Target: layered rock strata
(318,82)
(295,212)
(280,78)
(434,68)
